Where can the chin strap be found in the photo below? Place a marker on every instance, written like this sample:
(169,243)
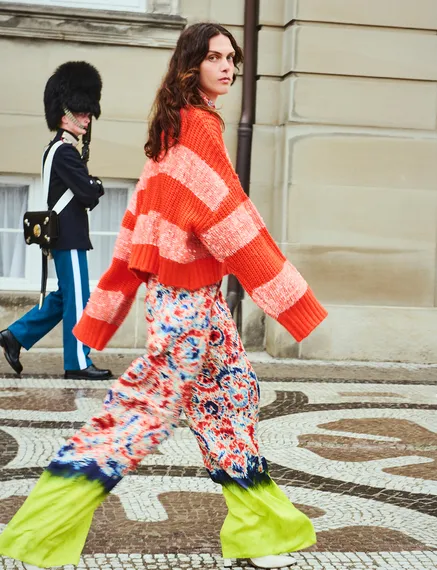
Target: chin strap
(73,119)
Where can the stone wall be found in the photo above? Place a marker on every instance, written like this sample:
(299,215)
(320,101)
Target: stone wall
(131,53)
(344,166)
(355,194)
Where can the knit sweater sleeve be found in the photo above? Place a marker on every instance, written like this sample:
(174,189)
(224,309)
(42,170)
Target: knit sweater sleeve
(236,235)
(112,299)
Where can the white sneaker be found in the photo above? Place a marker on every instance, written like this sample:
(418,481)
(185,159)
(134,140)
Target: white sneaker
(272,561)
(264,561)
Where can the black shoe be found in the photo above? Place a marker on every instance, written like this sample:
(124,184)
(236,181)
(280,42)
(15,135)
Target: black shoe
(90,373)
(11,348)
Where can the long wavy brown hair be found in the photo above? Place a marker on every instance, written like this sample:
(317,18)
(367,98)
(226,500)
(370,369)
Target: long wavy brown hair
(180,86)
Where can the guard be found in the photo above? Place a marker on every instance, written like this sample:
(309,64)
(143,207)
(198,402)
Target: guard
(71,99)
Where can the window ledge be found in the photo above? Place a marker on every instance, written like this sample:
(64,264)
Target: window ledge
(90,26)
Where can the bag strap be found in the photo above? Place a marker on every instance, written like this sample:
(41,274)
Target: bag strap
(46,170)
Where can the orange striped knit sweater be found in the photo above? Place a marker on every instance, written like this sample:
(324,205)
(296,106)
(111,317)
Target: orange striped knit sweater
(190,223)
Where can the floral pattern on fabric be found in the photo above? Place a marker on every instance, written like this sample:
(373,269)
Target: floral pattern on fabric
(194,362)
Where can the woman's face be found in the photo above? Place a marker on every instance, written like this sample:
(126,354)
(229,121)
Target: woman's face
(217,69)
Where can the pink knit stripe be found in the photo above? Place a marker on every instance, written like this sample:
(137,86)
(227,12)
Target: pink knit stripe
(189,169)
(234,232)
(149,170)
(282,292)
(108,306)
(173,243)
(132,207)
(147,229)
(123,244)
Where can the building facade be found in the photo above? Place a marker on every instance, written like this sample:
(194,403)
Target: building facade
(343,163)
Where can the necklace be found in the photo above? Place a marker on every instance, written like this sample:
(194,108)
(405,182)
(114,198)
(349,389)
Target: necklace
(209,102)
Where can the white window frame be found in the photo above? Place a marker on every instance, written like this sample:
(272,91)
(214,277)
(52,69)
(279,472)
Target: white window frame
(36,201)
(32,262)
(141,6)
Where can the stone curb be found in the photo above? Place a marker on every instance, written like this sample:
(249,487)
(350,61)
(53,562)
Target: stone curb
(48,361)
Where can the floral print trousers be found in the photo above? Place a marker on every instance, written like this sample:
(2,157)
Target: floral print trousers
(195,363)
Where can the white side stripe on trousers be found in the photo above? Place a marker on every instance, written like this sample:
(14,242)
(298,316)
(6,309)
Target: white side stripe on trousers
(79,304)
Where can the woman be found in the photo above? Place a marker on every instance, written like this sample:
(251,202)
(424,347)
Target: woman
(188,224)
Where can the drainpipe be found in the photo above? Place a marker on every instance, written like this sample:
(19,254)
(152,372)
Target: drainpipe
(235,291)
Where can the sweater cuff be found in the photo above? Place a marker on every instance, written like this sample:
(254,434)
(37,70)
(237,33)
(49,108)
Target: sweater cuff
(303,317)
(94,333)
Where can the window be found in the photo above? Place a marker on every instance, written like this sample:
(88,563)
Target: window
(20,264)
(105,222)
(13,204)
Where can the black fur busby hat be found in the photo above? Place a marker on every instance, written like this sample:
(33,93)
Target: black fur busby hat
(76,86)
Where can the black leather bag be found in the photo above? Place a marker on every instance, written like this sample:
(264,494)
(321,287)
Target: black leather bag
(41,228)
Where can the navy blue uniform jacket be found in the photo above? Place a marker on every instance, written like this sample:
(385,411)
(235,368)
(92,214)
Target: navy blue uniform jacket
(69,171)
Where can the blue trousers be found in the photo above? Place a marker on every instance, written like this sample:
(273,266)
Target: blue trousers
(66,304)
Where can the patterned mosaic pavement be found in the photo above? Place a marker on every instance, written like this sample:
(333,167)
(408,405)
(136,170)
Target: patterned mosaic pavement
(358,457)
